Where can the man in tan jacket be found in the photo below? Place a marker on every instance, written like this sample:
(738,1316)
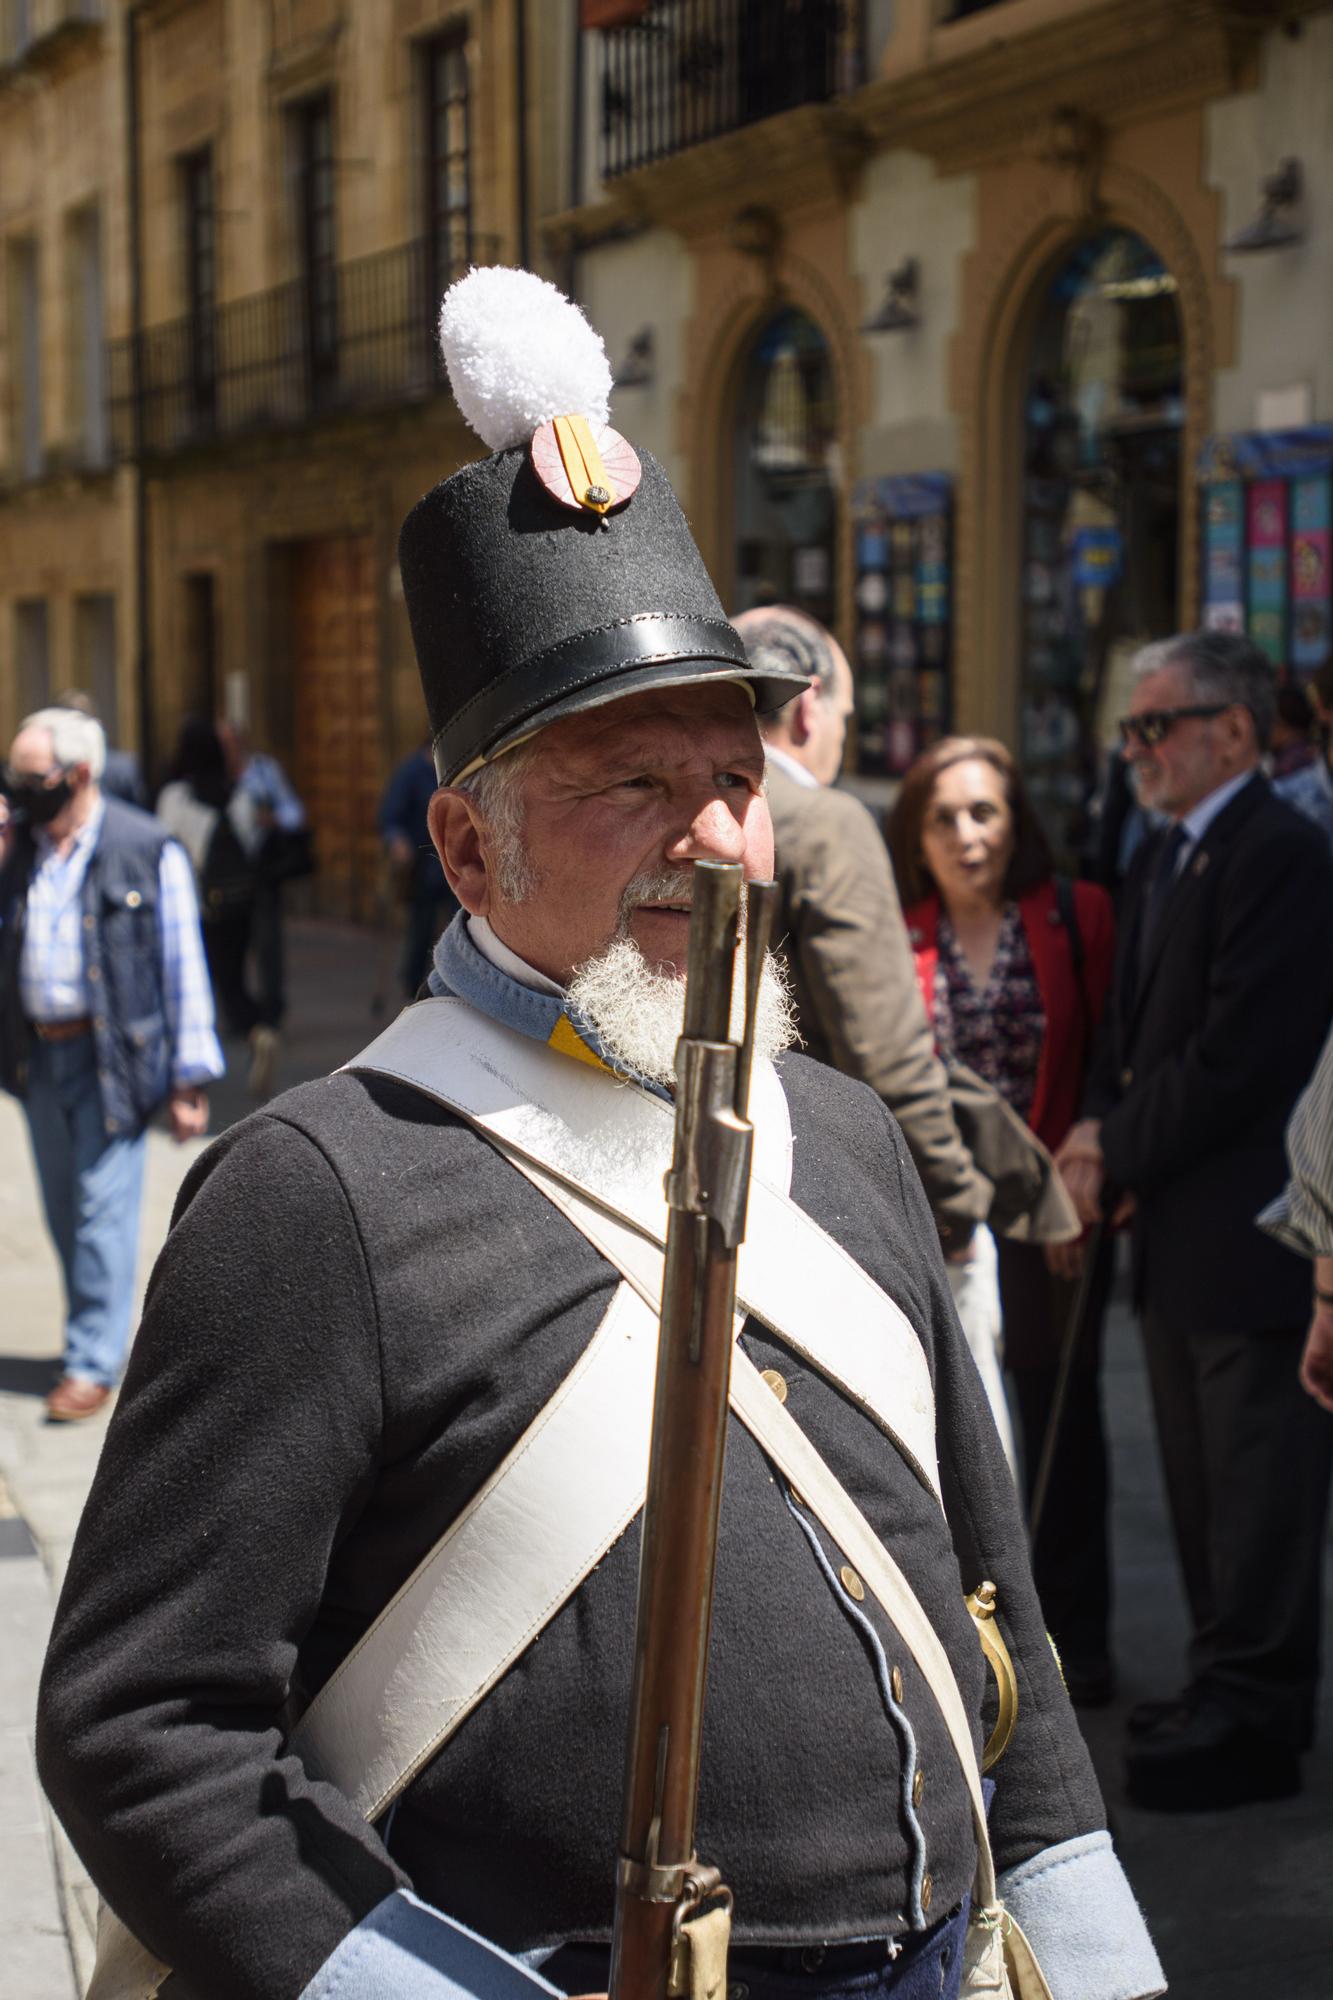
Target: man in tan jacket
(840,929)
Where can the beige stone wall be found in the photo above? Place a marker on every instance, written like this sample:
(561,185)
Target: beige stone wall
(906,207)
(227,74)
(645,282)
(1284,339)
(63,536)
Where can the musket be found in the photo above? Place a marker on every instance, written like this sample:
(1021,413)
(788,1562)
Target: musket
(661,1885)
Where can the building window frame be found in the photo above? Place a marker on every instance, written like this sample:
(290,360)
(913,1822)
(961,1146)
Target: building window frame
(316,217)
(32,653)
(198,199)
(446,112)
(24,277)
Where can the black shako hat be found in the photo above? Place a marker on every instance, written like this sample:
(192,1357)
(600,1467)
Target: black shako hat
(558,574)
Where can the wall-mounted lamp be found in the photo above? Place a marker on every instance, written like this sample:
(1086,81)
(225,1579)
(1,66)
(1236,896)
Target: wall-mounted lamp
(636,370)
(899,309)
(1275,225)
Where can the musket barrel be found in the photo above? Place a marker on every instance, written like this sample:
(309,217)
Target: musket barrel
(714,922)
(658,1869)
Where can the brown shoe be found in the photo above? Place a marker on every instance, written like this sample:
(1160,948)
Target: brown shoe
(74,1398)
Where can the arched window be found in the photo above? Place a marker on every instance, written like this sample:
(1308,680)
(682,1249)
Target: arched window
(786,470)
(1103,411)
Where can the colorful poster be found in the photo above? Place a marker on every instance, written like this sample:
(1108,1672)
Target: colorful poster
(1266,513)
(1310,577)
(1223,557)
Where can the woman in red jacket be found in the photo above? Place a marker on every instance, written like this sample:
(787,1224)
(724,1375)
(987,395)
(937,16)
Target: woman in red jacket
(1014,965)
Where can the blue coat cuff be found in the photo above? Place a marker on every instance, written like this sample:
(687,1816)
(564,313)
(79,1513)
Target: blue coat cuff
(404,1950)
(1079,1915)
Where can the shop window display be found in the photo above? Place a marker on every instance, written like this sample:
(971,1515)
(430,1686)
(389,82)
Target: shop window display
(787,470)
(1103,410)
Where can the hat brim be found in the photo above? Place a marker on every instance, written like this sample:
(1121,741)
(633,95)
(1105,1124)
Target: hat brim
(768,690)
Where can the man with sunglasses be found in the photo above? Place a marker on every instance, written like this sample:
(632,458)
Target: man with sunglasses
(1221,999)
(105,1014)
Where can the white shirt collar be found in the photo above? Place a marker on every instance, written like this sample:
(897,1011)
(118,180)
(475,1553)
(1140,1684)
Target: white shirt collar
(504,960)
(796,772)
(1197,822)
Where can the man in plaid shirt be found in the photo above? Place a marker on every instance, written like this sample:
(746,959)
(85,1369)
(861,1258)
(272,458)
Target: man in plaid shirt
(105,1014)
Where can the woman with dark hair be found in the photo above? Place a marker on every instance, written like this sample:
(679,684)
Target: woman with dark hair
(1014,965)
(218,826)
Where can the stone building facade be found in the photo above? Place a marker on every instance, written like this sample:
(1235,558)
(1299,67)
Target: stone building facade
(282,192)
(952,337)
(939,312)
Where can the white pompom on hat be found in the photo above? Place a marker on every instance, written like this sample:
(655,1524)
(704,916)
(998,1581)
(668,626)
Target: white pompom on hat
(518,354)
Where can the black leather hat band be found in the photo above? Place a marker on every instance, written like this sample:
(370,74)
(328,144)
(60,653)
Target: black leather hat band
(550,677)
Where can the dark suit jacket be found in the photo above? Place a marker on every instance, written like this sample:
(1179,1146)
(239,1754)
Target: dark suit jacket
(1203,1054)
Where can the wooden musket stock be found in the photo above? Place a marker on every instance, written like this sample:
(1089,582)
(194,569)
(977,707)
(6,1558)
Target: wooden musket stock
(660,1881)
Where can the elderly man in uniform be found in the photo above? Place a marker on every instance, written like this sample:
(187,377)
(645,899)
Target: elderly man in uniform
(105,1015)
(365,1314)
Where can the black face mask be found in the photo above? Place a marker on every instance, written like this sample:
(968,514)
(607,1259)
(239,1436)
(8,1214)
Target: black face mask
(38,803)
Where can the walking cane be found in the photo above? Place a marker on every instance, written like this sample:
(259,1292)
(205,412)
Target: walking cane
(1074,1332)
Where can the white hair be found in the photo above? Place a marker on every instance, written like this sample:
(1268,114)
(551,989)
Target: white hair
(75,738)
(497,792)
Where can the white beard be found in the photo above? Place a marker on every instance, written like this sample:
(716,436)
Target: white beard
(638,1011)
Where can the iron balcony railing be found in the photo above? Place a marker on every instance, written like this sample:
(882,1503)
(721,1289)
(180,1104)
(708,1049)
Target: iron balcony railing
(280,359)
(690,70)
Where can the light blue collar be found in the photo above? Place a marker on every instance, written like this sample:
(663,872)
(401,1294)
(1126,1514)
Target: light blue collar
(462,972)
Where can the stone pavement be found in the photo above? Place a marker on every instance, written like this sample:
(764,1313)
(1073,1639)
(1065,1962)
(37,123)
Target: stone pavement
(1238,1902)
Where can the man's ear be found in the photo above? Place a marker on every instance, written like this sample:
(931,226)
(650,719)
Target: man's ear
(456,831)
(804,715)
(1242,736)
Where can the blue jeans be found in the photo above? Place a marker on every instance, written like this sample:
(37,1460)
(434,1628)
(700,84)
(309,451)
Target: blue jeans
(92,1185)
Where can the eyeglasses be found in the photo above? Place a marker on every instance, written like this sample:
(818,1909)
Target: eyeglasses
(1154,725)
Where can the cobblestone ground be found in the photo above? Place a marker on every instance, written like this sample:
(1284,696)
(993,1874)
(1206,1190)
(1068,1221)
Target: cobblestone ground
(1238,1902)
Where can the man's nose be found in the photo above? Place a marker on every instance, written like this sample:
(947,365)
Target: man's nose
(713,834)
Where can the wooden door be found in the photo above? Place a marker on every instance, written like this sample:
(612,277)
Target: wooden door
(339,749)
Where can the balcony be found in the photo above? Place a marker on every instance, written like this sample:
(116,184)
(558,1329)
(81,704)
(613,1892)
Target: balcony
(695,70)
(282,359)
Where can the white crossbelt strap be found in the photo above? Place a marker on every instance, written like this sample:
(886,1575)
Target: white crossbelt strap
(520,1549)
(540,1524)
(610,1142)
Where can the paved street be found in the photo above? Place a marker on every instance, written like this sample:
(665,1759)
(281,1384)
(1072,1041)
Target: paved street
(1238,1902)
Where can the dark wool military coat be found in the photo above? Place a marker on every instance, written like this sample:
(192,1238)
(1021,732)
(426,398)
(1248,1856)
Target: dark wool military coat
(359,1309)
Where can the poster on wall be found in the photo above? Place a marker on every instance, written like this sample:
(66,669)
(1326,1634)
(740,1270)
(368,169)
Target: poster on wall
(902,651)
(1267,511)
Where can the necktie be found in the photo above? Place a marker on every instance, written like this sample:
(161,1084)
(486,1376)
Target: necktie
(1159,888)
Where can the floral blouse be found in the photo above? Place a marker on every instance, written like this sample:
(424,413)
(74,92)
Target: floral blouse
(997,1030)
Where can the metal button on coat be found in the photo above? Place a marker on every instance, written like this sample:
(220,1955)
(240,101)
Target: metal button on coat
(918,1787)
(93,975)
(812,1957)
(1126,1077)
(133,900)
(927,1890)
(852,1583)
(896,1683)
(775,1383)
(738,1990)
